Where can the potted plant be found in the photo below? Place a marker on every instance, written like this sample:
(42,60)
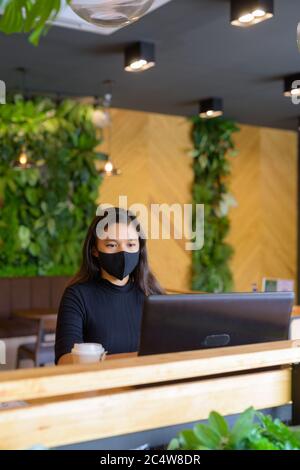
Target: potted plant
(251,431)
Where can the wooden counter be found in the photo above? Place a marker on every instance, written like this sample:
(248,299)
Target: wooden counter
(69,404)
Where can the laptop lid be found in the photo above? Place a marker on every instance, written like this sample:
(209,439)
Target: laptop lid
(173,323)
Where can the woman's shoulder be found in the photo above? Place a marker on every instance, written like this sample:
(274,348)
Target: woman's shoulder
(79,288)
(78,295)
(101,287)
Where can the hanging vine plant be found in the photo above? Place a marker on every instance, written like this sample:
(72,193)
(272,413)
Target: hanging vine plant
(45,208)
(213,145)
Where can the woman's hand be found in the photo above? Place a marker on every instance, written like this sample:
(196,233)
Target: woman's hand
(67,359)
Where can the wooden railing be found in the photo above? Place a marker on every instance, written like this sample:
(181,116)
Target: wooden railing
(76,403)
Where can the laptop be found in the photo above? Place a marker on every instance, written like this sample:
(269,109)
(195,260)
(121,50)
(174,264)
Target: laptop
(174,323)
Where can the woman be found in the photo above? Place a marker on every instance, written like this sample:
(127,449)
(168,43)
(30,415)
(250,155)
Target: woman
(103,303)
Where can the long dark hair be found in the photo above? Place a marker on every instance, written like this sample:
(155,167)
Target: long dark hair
(89,269)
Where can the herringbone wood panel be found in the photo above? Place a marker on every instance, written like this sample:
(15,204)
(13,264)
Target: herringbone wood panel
(264,226)
(152,152)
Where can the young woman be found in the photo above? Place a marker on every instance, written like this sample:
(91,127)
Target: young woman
(103,303)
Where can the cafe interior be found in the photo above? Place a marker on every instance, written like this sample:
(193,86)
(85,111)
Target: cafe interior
(162,105)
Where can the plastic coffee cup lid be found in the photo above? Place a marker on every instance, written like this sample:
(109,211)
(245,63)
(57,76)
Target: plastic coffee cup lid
(88,348)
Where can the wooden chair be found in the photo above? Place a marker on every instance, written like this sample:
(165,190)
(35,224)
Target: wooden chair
(42,351)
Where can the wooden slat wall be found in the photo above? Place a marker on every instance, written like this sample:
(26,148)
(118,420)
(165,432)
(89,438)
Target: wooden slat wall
(245,234)
(151,150)
(26,293)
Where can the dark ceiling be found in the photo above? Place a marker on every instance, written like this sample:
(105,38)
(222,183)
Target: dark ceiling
(199,54)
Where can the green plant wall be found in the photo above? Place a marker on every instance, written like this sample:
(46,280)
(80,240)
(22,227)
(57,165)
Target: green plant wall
(213,147)
(45,210)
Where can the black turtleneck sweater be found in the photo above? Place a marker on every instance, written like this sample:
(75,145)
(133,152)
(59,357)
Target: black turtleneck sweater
(99,312)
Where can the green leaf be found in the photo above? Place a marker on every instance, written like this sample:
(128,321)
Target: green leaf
(218,424)
(44,207)
(33,176)
(2,188)
(188,439)
(11,184)
(174,445)
(24,236)
(51,225)
(243,425)
(29,16)
(207,437)
(34,211)
(34,249)
(102,156)
(194,153)
(278,432)
(39,223)
(31,195)
(12,19)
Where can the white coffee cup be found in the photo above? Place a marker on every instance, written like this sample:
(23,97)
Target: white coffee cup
(84,353)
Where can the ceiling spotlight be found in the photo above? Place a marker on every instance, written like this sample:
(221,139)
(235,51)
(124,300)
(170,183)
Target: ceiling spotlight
(139,57)
(211,108)
(250,12)
(292,85)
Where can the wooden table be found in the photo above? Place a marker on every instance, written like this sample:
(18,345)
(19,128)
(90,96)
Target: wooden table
(51,315)
(121,356)
(36,314)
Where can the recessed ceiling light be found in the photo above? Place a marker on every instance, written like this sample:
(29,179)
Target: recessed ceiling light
(292,85)
(139,57)
(249,12)
(210,108)
(259,13)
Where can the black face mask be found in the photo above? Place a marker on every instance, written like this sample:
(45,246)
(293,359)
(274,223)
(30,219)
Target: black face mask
(118,264)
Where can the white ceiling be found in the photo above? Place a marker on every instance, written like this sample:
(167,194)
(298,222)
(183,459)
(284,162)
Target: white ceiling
(69,19)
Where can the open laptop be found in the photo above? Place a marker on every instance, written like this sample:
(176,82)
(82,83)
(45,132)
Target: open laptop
(173,323)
